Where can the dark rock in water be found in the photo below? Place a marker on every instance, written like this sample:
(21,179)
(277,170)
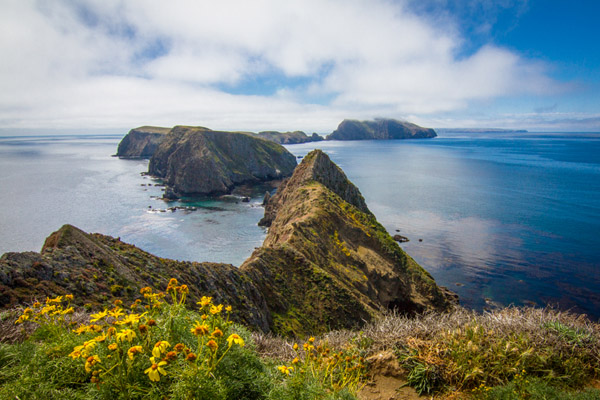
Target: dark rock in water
(266,198)
(204,162)
(170,194)
(245,199)
(379,129)
(141,142)
(400,238)
(316,138)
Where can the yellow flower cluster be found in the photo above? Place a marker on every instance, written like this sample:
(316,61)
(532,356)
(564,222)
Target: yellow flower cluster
(118,341)
(345,368)
(53,311)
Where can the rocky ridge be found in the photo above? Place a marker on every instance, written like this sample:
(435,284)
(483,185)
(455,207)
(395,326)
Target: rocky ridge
(379,129)
(326,263)
(196,160)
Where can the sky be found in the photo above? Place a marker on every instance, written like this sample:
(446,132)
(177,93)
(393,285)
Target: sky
(109,66)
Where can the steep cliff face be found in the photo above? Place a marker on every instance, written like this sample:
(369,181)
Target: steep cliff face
(200,161)
(141,142)
(327,263)
(289,137)
(379,129)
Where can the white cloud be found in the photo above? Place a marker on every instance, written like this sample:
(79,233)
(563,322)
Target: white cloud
(118,64)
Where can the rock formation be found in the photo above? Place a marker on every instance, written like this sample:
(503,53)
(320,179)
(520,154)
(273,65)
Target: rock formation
(326,263)
(200,161)
(289,137)
(141,142)
(379,129)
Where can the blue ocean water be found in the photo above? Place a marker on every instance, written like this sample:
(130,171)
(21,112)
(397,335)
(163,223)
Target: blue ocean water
(503,219)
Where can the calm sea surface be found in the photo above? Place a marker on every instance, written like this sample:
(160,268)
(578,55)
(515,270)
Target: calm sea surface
(503,219)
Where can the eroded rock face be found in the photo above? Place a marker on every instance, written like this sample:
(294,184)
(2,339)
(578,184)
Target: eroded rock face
(200,161)
(379,129)
(327,263)
(141,142)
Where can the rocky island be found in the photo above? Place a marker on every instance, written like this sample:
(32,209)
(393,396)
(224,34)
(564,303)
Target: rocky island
(289,137)
(326,263)
(141,142)
(379,129)
(199,161)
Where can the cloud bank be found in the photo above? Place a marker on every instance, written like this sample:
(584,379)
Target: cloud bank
(236,64)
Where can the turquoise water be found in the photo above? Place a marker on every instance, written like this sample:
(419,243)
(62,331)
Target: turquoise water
(503,219)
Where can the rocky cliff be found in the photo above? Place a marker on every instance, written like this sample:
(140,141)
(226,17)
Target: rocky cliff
(289,137)
(141,142)
(379,129)
(326,263)
(195,160)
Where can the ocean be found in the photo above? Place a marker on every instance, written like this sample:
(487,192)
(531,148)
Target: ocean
(498,218)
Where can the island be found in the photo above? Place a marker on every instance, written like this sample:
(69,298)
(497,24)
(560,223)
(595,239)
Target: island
(289,137)
(379,129)
(141,142)
(200,161)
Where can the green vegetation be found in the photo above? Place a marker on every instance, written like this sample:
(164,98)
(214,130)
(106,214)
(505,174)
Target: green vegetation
(156,348)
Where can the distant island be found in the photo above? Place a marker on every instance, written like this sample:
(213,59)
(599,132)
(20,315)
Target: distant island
(480,130)
(379,129)
(142,142)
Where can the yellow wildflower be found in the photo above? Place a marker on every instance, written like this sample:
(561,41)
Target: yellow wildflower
(127,335)
(235,338)
(311,339)
(179,347)
(90,362)
(295,347)
(57,299)
(171,355)
(160,347)
(172,284)
(204,301)
(190,357)
(69,310)
(216,309)
(118,302)
(36,304)
(183,289)
(133,351)
(131,319)
(295,360)
(113,346)
(100,338)
(200,329)
(217,333)
(285,370)
(69,297)
(228,308)
(212,345)
(155,369)
(99,316)
(116,312)
(146,290)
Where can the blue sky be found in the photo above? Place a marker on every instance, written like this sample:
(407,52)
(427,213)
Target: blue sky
(109,65)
